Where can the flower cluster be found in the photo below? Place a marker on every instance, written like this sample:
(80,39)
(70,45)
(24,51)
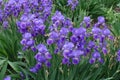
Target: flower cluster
(8,9)
(73,3)
(42,57)
(12,7)
(40,7)
(83,41)
(35,14)
(28,41)
(30,26)
(15,8)
(71,53)
(59,30)
(86,21)
(92,41)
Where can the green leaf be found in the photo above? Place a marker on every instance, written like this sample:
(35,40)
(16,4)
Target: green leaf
(14,66)
(53,75)
(2,72)
(72,73)
(2,61)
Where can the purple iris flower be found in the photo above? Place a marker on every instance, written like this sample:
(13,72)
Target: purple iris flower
(7,78)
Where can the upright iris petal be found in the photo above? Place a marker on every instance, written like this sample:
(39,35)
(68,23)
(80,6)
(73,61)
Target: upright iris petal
(96,30)
(68,45)
(101,19)
(27,35)
(64,31)
(87,21)
(96,55)
(42,48)
(58,19)
(73,3)
(54,35)
(106,32)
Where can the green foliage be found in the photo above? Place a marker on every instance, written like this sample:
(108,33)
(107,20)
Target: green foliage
(10,63)
(84,71)
(109,3)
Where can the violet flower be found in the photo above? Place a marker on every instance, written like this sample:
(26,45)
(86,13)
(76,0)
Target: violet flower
(7,78)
